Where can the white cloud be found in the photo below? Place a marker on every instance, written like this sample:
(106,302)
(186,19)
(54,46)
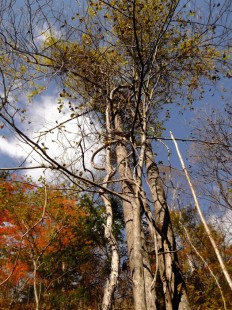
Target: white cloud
(223,223)
(62,143)
(42,34)
(11,147)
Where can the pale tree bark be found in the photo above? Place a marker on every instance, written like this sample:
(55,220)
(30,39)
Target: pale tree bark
(139,259)
(140,193)
(36,295)
(148,278)
(132,221)
(173,284)
(113,278)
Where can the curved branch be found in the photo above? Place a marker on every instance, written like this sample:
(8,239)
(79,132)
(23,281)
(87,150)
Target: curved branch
(99,150)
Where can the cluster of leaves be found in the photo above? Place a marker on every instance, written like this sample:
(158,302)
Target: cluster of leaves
(159,38)
(86,66)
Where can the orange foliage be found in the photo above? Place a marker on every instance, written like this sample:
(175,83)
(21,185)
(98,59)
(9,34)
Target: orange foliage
(34,224)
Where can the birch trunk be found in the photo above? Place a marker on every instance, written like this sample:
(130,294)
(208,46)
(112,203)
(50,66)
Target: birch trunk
(113,278)
(170,275)
(35,285)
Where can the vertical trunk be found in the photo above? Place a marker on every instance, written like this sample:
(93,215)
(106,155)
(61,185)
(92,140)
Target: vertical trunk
(113,278)
(148,277)
(170,275)
(35,285)
(132,221)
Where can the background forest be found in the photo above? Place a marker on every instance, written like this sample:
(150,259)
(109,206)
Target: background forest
(95,210)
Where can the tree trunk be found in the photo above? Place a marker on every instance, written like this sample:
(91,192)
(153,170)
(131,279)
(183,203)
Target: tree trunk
(113,278)
(132,222)
(148,277)
(173,284)
(35,285)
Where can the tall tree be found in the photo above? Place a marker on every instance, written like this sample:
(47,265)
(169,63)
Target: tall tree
(119,62)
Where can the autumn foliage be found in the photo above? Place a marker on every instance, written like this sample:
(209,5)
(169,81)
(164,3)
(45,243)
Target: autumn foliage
(47,244)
